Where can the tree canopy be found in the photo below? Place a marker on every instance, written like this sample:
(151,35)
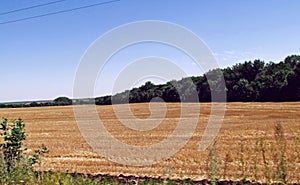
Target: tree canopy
(62,101)
(245,82)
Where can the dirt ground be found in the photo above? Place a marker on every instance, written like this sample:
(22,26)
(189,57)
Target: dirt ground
(244,148)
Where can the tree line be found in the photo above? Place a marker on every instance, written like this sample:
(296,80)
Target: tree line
(244,82)
(60,101)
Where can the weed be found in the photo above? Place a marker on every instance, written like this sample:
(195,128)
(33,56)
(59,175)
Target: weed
(265,162)
(280,156)
(212,164)
(242,158)
(256,151)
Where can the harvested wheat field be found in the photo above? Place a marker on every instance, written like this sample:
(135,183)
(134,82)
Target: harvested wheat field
(247,146)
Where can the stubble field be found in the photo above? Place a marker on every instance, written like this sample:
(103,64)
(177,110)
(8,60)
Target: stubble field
(246,147)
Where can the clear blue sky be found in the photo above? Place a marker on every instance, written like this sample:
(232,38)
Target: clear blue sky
(39,57)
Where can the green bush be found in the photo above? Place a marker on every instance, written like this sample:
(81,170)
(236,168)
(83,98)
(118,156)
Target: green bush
(15,166)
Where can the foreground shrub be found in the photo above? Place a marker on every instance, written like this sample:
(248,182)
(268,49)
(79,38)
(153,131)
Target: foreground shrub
(15,166)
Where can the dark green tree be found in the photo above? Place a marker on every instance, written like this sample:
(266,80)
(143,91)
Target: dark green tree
(62,101)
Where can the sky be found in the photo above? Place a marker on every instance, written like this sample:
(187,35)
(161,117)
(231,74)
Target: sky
(39,57)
